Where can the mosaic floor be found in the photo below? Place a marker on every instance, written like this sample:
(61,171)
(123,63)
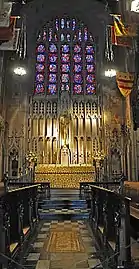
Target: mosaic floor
(62,245)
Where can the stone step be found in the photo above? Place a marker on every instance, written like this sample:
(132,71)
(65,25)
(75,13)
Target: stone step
(64,214)
(52,210)
(71,194)
(68,197)
(63,200)
(59,204)
(62,206)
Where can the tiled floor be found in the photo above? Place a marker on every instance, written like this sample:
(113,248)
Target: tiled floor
(80,253)
(64,211)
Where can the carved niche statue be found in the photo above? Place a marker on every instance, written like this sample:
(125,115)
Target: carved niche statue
(64,126)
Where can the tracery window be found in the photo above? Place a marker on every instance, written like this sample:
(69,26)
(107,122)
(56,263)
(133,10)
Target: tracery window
(65,59)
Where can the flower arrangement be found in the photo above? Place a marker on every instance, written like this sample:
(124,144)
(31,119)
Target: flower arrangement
(31,158)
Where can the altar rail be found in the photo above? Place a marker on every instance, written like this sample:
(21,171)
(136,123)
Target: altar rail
(131,189)
(116,186)
(25,178)
(110,222)
(127,188)
(43,189)
(18,219)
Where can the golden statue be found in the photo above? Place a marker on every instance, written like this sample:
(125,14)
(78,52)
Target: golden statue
(64,122)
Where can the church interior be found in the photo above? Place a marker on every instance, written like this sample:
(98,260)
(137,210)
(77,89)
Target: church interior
(69,134)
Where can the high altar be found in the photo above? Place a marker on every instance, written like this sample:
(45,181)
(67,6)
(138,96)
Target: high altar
(64,176)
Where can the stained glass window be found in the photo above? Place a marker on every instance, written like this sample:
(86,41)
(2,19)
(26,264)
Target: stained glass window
(65,68)
(52,68)
(40,58)
(39,67)
(39,88)
(65,48)
(41,48)
(65,59)
(40,78)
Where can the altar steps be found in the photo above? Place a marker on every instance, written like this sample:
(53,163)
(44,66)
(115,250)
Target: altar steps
(64,205)
(61,215)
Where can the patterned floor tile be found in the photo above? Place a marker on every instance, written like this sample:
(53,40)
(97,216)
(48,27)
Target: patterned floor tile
(84,232)
(71,260)
(53,226)
(33,257)
(80,257)
(75,229)
(82,264)
(56,256)
(70,211)
(67,227)
(57,211)
(42,236)
(93,262)
(59,228)
(38,244)
(44,255)
(55,264)
(61,224)
(93,255)
(41,264)
(83,225)
(47,224)
(64,263)
(75,224)
(90,250)
(30,264)
(86,239)
(44,229)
